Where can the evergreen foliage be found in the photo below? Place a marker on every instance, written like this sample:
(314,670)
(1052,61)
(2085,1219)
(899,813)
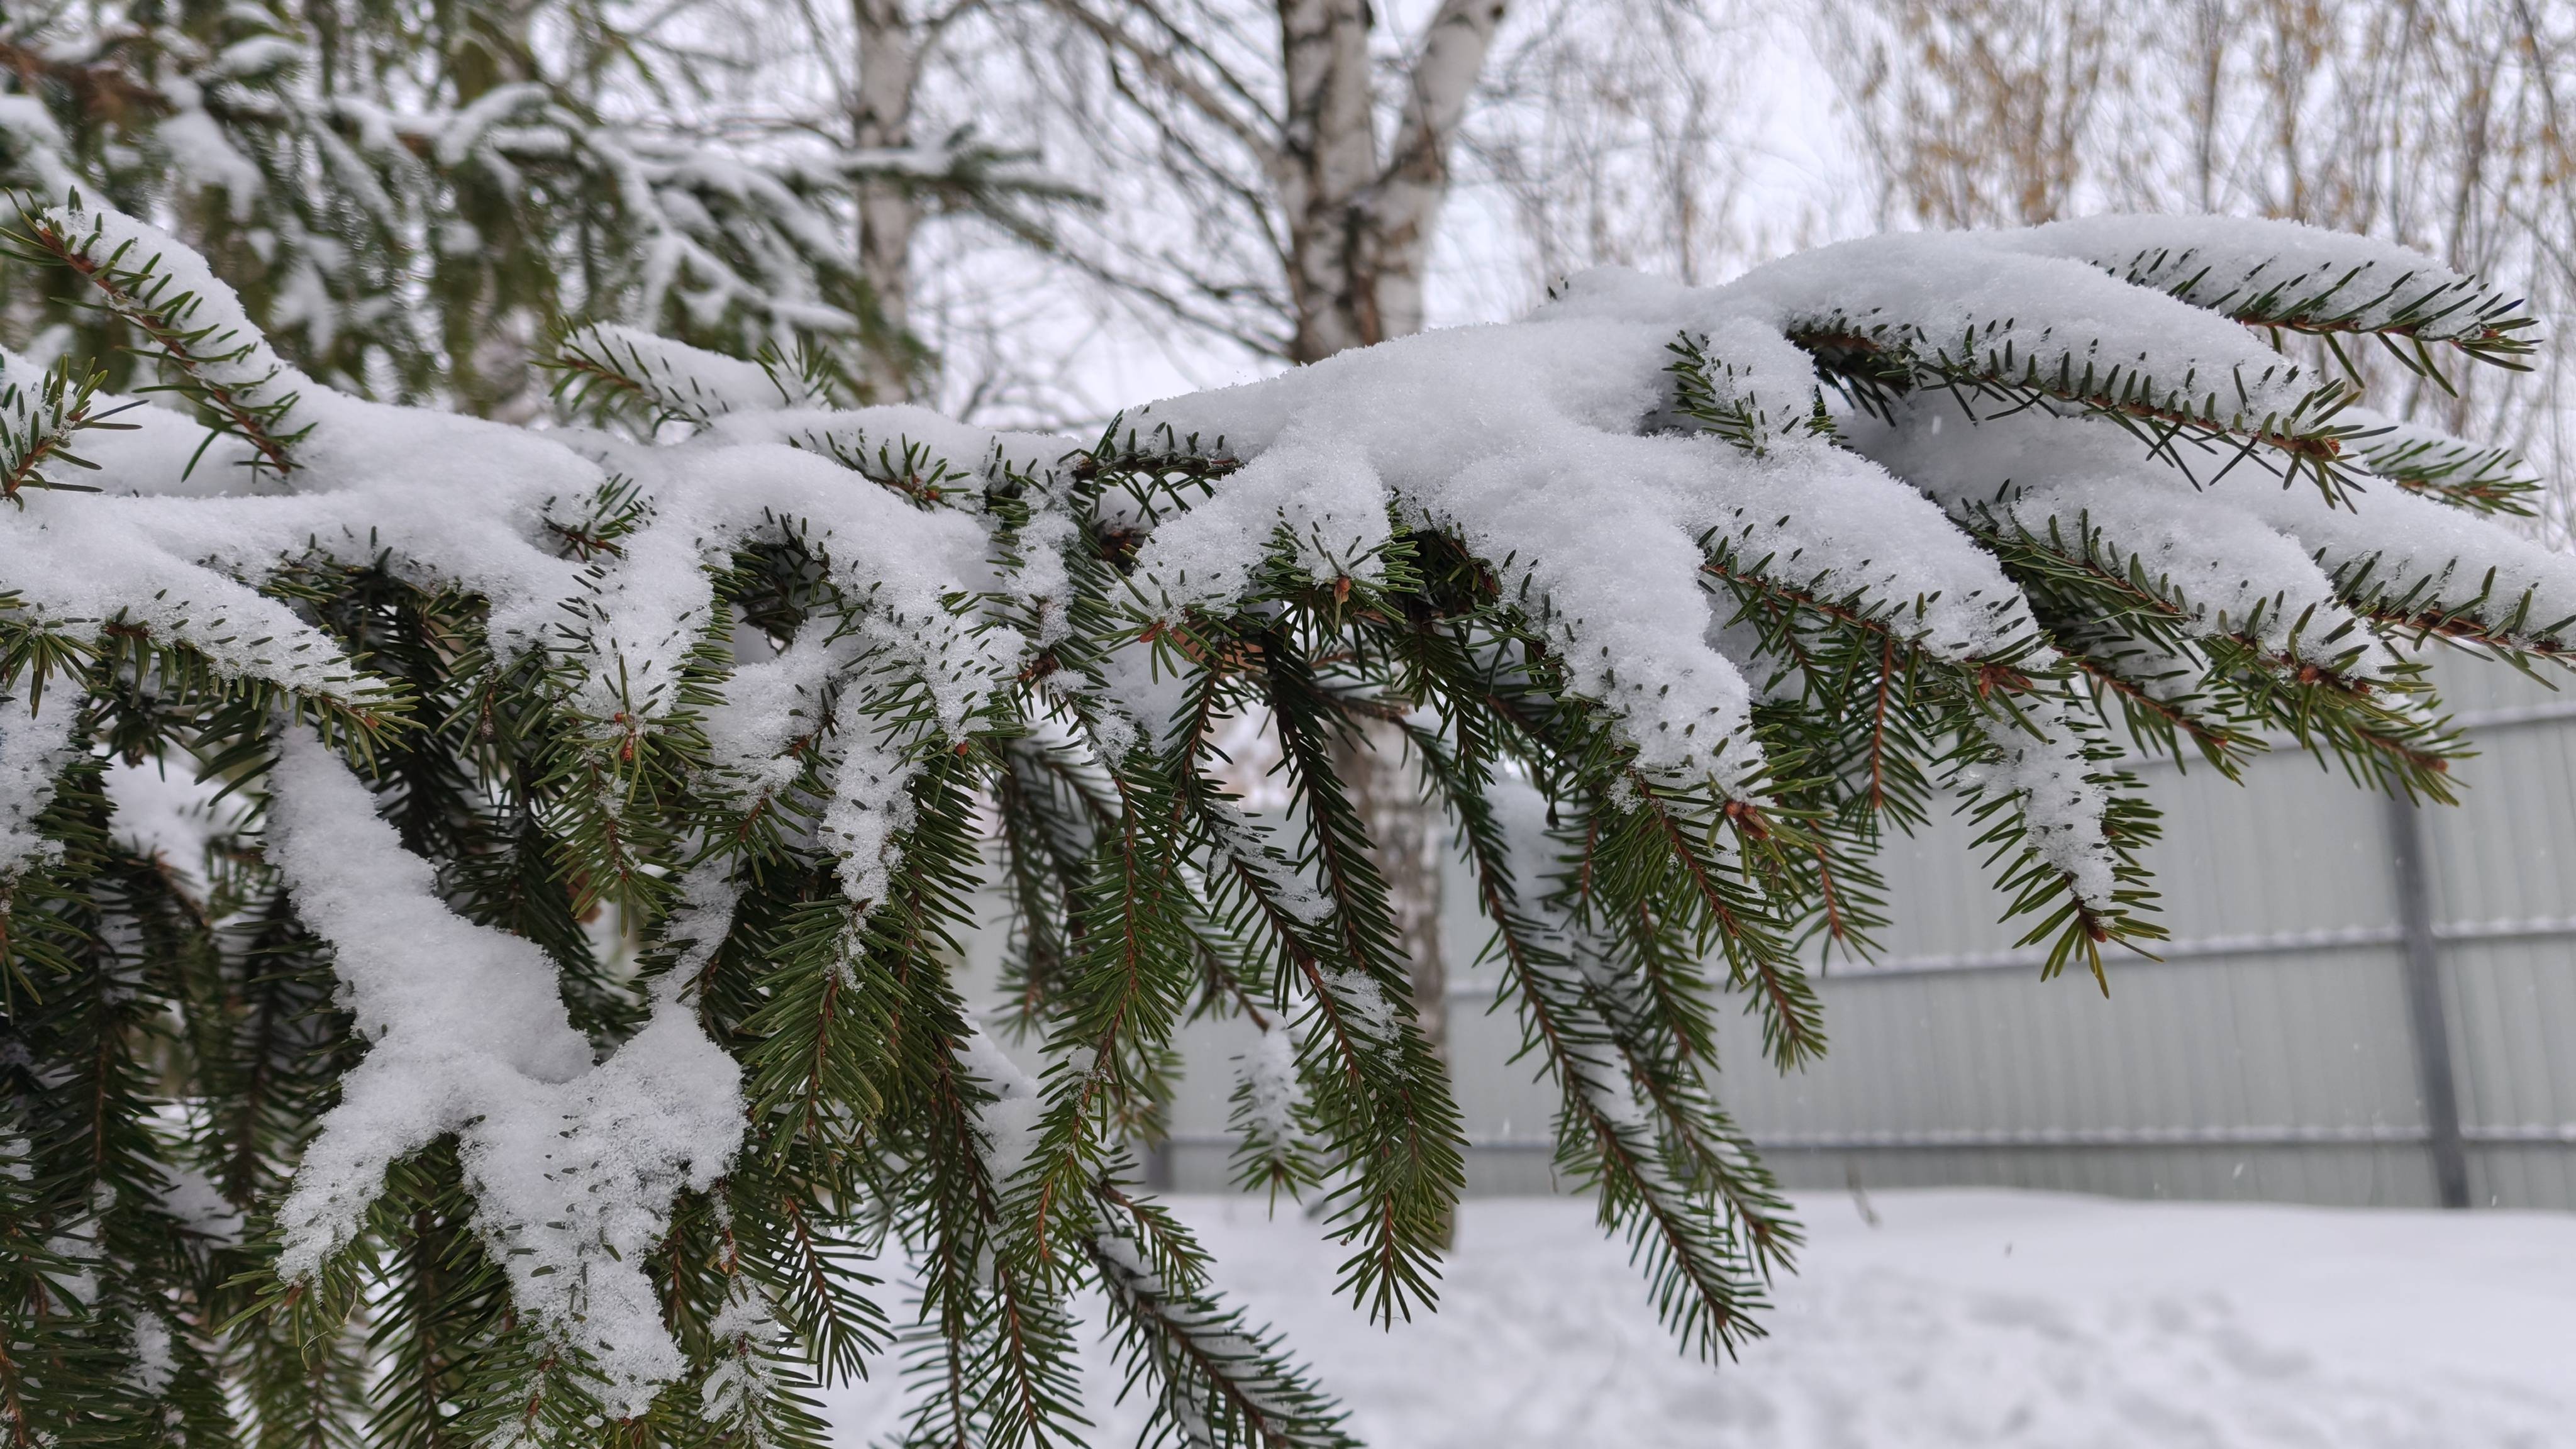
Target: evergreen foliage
(412,199)
(563,1016)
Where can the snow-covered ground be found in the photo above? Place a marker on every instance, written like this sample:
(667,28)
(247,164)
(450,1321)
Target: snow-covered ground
(1964,1318)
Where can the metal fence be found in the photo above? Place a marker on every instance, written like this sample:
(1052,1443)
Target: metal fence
(2363,1004)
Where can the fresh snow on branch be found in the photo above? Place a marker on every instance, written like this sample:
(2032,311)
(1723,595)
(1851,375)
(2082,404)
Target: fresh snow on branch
(574,1166)
(1680,596)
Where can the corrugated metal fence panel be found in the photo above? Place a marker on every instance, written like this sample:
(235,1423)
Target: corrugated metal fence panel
(2504,889)
(2507,851)
(2289,1078)
(2512,1006)
(2257,1061)
(2270,1056)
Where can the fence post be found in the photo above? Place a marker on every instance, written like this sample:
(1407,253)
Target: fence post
(2425,1017)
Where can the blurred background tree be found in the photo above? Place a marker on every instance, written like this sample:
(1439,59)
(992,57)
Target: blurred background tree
(413,198)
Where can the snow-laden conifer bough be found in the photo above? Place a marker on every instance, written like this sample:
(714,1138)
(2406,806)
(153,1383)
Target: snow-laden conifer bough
(1687,595)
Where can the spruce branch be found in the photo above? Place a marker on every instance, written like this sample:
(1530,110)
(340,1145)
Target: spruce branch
(2355,296)
(1220,1382)
(38,419)
(215,356)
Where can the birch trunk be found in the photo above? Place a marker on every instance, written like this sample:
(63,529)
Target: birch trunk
(881,117)
(1406,210)
(1327,165)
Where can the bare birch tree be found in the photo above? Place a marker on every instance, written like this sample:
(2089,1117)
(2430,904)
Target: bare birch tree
(1637,133)
(901,83)
(1313,149)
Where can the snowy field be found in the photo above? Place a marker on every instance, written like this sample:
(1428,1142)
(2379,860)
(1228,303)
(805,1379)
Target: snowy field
(1965,1318)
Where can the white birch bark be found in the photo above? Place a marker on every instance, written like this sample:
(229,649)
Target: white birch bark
(1327,167)
(889,70)
(1406,210)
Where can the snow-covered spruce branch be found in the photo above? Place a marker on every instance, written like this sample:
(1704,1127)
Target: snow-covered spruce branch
(2300,279)
(213,353)
(2430,461)
(1690,596)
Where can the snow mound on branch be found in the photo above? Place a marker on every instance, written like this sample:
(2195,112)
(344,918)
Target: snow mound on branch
(2066,482)
(686,380)
(2235,539)
(1320,493)
(573,1167)
(111,558)
(1968,296)
(225,348)
(892,432)
(1522,440)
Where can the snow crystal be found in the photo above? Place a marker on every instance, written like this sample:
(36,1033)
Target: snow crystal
(161,811)
(1147,694)
(2061,804)
(708,900)
(865,819)
(191,1198)
(154,1365)
(1360,1002)
(737,1386)
(1253,848)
